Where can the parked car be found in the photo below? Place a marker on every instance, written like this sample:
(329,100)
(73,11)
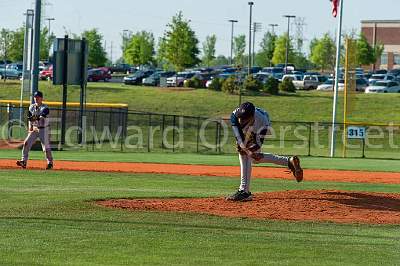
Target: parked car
(11,71)
(262,77)
(290,67)
(179,79)
(394,72)
(154,79)
(276,72)
(297,80)
(137,78)
(311,82)
(98,74)
(47,73)
(204,78)
(376,77)
(383,87)
(326,86)
(120,68)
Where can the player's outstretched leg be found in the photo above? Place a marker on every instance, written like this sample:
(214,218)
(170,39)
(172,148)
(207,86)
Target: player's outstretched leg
(243,194)
(293,163)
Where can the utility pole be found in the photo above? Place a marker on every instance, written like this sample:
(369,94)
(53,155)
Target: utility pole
(256,28)
(36,49)
(287,40)
(273,26)
(232,21)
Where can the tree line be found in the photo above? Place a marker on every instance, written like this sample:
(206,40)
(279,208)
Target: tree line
(178,49)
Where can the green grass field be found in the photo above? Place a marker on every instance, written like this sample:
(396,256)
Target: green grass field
(303,106)
(377,165)
(50,219)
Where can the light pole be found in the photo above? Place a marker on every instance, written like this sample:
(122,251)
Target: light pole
(50,20)
(256,28)
(125,37)
(287,40)
(49,37)
(250,24)
(232,21)
(273,26)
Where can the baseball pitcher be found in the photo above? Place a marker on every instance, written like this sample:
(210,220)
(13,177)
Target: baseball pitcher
(38,116)
(250,126)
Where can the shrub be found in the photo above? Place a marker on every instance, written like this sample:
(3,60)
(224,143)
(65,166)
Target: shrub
(230,86)
(252,84)
(272,86)
(216,84)
(287,86)
(194,82)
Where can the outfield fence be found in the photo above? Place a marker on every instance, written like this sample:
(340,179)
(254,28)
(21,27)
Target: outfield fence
(130,131)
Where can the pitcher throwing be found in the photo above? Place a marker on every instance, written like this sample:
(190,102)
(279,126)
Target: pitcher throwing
(38,128)
(250,126)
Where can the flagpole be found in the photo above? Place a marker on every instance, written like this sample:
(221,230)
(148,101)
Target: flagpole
(337,70)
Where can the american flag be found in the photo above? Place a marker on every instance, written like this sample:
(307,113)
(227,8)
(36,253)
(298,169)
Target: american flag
(335,4)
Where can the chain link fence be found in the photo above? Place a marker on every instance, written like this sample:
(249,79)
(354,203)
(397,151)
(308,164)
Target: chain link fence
(128,131)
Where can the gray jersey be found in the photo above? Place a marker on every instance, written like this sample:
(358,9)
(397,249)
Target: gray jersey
(259,127)
(41,113)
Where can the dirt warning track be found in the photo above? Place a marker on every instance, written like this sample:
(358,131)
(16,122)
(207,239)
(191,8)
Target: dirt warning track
(207,170)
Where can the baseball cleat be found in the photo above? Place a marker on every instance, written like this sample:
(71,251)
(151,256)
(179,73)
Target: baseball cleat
(294,166)
(240,195)
(49,166)
(22,164)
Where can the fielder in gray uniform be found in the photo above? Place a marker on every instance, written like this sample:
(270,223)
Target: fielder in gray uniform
(250,126)
(38,116)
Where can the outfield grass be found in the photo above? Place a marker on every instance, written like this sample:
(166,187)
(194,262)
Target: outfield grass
(180,158)
(302,106)
(48,218)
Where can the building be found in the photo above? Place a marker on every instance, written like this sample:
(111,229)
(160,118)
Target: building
(386,32)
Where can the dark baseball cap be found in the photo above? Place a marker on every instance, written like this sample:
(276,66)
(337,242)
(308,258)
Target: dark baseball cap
(38,94)
(246,110)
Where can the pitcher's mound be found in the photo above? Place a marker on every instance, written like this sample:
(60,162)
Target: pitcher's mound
(314,205)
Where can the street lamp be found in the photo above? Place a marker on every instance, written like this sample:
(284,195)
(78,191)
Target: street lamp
(256,28)
(50,20)
(273,26)
(287,40)
(232,21)
(250,24)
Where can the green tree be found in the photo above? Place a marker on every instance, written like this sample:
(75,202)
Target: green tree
(220,60)
(365,52)
(239,47)
(209,49)
(264,57)
(180,44)
(5,43)
(46,41)
(16,49)
(279,56)
(97,54)
(140,49)
(323,53)
(378,51)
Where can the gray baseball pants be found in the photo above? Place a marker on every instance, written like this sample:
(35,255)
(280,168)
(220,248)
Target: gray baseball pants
(44,137)
(246,164)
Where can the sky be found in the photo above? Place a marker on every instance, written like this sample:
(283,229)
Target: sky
(207,17)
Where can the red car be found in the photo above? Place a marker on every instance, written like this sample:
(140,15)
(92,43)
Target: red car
(46,74)
(98,74)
